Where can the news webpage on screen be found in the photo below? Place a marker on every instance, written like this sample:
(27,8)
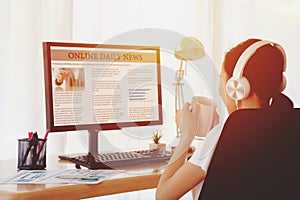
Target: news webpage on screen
(107,85)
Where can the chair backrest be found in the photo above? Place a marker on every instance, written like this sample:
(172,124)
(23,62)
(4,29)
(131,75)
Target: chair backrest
(257,157)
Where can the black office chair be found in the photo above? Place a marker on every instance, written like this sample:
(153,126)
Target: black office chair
(257,157)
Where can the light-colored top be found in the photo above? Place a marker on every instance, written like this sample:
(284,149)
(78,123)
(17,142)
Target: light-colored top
(202,156)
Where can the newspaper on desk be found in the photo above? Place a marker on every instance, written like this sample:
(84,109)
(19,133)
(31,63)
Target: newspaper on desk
(78,176)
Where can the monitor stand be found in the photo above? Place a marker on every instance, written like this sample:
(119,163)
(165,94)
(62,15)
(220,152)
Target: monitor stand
(93,141)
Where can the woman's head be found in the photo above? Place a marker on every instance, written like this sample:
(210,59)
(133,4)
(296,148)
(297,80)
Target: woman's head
(263,70)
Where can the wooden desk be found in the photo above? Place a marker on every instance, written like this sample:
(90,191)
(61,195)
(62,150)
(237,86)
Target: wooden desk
(133,179)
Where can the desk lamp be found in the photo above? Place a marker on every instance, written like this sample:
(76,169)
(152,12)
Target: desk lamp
(188,49)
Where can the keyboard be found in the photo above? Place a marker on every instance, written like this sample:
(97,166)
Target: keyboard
(119,159)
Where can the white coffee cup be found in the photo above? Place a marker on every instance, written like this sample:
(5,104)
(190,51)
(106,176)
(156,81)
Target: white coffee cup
(207,108)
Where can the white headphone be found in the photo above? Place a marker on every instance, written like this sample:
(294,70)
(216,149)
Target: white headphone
(238,87)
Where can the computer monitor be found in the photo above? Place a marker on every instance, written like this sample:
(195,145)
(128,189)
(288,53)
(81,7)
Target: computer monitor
(99,87)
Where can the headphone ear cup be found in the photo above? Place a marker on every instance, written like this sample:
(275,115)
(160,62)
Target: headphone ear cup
(238,88)
(283,84)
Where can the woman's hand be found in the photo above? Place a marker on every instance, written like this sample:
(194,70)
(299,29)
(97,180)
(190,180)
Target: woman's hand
(191,117)
(188,119)
(216,120)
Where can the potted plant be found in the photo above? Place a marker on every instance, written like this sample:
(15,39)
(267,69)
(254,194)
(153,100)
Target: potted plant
(156,144)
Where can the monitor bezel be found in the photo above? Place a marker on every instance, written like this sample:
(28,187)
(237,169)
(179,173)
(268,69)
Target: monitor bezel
(98,126)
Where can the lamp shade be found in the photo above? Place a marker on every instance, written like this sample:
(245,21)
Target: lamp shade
(189,49)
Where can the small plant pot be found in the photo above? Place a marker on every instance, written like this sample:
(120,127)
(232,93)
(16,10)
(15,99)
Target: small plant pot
(153,146)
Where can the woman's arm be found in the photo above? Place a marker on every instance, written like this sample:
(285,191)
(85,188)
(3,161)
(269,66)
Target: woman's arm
(178,179)
(180,176)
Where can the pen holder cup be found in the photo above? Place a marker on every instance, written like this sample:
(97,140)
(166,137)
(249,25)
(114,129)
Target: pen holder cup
(31,154)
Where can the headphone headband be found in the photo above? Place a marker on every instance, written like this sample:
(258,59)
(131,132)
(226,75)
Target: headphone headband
(246,55)
(238,87)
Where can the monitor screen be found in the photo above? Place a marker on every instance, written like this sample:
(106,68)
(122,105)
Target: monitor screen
(101,86)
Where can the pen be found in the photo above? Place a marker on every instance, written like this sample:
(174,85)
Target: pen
(32,142)
(26,153)
(35,142)
(43,143)
(30,135)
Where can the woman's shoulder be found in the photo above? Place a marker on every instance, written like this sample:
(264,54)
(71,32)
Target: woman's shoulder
(271,112)
(261,120)
(245,115)
(246,121)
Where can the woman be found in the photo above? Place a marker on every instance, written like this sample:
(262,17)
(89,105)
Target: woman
(263,67)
